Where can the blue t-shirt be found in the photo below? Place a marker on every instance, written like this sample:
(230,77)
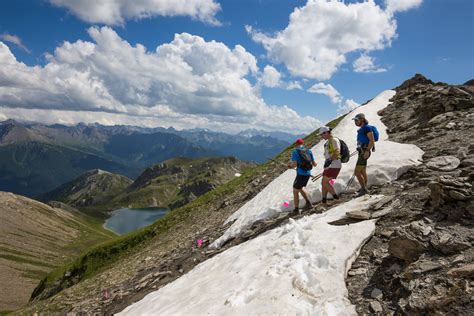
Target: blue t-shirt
(295,156)
(362,132)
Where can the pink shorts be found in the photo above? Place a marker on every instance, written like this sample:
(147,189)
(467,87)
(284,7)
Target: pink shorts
(331,173)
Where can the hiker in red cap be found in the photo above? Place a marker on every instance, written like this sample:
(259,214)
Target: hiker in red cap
(301,158)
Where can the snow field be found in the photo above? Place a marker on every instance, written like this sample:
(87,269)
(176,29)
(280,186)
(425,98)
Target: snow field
(386,164)
(296,269)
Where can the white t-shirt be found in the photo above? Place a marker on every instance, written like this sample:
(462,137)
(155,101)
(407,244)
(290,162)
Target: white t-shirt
(336,146)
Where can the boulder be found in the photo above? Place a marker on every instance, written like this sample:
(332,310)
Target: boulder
(358,215)
(448,244)
(443,163)
(466,271)
(406,248)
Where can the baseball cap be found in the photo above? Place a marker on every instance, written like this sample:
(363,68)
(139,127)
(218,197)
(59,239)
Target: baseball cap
(300,141)
(359,116)
(324,129)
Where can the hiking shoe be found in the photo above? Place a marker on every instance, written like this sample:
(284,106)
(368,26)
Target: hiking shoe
(324,201)
(295,211)
(360,193)
(307,206)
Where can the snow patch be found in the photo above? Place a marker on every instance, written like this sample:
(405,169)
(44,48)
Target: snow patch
(387,163)
(299,268)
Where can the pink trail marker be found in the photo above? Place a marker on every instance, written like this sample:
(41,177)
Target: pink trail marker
(332,181)
(199,242)
(286,204)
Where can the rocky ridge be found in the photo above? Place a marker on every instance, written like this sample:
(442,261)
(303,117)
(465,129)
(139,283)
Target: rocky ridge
(420,260)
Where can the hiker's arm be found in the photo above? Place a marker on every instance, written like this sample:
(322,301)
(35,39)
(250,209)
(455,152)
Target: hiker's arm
(292,164)
(314,163)
(370,135)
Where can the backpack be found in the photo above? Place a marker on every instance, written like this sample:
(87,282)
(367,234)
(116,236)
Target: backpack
(345,153)
(306,161)
(375,131)
(344,150)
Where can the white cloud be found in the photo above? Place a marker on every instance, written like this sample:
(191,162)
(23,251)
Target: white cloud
(321,33)
(402,5)
(115,12)
(15,40)
(348,106)
(294,85)
(188,82)
(270,77)
(327,90)
(366,63)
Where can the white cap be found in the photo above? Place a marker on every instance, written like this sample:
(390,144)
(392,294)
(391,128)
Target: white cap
(324,129)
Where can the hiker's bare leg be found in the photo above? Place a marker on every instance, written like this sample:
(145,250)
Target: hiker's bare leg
(364,174)
(328,187)
(296,198)
(360,177)
(324,186)
(303,193)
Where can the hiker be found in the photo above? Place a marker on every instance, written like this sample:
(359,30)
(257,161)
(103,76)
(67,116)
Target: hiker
(332,164)
(365,143)
(303,160)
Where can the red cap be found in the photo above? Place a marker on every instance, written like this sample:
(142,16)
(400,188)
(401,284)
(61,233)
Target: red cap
(300,141)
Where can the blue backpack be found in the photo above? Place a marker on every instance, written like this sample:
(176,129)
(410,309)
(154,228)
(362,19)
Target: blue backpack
(375,131)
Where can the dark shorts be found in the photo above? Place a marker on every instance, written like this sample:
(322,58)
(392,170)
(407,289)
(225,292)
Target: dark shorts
(361,161)
(300,182)
(331,173)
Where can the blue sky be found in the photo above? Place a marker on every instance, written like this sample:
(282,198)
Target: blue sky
(392,39)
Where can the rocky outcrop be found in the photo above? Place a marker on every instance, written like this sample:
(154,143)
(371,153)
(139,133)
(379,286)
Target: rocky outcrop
(421,257)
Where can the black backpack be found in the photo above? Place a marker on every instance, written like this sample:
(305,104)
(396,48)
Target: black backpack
(306,161)
(345,153)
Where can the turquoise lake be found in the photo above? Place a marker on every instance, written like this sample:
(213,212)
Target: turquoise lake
(126,220)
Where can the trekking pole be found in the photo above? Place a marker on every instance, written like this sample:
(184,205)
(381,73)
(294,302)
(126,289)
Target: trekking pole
(316,177)
(353,154)
(349,183)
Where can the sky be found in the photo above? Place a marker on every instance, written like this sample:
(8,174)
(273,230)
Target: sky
(225,65)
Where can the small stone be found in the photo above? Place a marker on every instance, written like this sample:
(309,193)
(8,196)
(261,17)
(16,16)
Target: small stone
(358,215)
(181,271)
(387,233)
(375,307)
(376,293)
(359,271)
(466,271)
(459,259)
(426,266)
(458,196)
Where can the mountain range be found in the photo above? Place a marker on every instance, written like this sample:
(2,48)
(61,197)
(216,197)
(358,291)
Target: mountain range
(36,158)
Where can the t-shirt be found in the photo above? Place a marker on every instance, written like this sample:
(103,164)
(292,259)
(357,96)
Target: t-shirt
(295,156)
(362,132)
(336,146)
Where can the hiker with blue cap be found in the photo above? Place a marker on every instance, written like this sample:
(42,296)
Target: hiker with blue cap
(366,137)
(301,158)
